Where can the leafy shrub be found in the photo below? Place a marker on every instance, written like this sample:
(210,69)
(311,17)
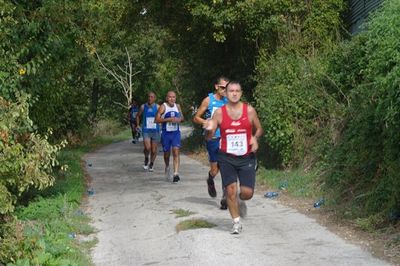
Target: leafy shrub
(27,157)
(10,70)
(340,107)
(296,111)
(364,166)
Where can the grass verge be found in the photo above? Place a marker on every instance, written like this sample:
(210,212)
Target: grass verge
(295,182)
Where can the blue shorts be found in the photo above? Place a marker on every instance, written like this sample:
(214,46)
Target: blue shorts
(154,136)
(170,139)
(212,149)
(233,168)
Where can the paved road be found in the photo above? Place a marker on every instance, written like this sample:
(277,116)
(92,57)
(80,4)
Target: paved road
(131,210)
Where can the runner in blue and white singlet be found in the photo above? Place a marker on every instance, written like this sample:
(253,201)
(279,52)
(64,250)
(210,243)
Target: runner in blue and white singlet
(170,127)
(148,116)
(170,115)
(150,130)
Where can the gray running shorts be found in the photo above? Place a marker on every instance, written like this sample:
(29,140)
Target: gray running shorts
(154,136)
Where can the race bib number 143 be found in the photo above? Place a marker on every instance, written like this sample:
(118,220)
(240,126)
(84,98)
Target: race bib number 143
(236,144)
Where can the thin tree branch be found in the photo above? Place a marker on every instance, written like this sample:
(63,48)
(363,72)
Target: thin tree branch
(120,104)
(125,79)
(111,72)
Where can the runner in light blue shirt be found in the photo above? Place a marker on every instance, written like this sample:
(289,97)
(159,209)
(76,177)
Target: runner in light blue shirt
(207,108)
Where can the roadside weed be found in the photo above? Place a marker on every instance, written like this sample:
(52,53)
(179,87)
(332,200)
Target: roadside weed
(182,213)
(193,224)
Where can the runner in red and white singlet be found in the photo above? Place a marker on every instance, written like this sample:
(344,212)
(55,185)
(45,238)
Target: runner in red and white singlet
(235,134)
(240,129)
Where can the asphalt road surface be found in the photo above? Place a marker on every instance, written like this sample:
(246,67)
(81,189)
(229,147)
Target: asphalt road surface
(132,212)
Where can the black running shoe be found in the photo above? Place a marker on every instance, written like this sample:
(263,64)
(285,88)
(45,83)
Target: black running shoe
(224,204)
(176,179)
(211,187)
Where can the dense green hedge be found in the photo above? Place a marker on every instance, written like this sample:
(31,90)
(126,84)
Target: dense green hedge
(338,110)
(365,165)
(296,110)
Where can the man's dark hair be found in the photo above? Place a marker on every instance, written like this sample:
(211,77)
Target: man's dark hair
(233,82)
(218,80)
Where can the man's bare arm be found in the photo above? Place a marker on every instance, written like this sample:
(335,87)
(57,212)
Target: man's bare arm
(257,128)
(258,131)
(138,115)
(160,111)
(200,112)
(182,118)
(211,124)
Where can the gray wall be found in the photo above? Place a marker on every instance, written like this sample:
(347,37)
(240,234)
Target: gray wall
(358,12)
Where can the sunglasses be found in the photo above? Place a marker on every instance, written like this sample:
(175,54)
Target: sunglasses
(221,87)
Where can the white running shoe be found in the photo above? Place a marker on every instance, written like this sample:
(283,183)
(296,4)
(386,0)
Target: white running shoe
(236,228)
(151,167)
(145,167)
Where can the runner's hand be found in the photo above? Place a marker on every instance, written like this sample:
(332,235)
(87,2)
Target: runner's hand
(176,119)
(208,125)
(254,144)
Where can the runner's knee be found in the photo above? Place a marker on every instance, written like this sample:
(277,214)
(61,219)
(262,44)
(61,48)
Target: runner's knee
(231,189)
(246,193)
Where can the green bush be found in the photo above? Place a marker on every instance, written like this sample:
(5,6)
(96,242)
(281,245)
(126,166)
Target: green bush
(27,157)
(339,109)
(295,109)
(364,165)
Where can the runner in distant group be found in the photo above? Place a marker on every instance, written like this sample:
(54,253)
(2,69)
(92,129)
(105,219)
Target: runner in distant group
(208,106)
(150,130)
(170,115)
(240,129)
(133,110)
